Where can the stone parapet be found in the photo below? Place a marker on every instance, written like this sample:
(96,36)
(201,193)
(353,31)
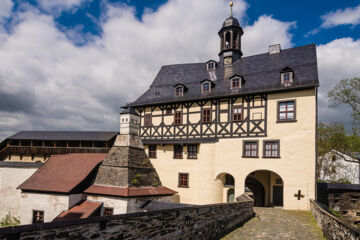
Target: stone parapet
(333,228)
(194,222)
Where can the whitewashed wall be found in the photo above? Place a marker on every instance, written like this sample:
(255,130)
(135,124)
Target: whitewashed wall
(10,179)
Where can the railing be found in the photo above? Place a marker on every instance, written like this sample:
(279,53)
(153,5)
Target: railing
(28,150)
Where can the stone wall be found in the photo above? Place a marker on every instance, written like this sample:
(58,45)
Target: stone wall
(194,222)
(333,228)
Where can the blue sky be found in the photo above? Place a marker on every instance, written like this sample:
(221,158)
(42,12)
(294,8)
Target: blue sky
(305,13)
(71,64)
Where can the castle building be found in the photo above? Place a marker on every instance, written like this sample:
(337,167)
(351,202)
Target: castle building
(217,129)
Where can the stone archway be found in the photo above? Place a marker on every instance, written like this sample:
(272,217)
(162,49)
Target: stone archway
(228,187)
(265,187)
(256,191)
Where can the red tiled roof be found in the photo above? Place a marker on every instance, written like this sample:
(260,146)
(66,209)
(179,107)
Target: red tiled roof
(84,210)
(129,192)
(62,173)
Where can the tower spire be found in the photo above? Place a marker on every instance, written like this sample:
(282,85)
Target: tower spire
(231,6)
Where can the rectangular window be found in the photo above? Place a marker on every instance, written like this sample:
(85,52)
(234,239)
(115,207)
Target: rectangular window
(108,211)
(178,118)
(178,151)
(152,151)
(206,87)
(147,120)
(183,180)
(235,83)
(179,91)
(287,78)
(168,111)
(250,149)
(38,216)
(206,115)
(192,151)
(286,111)
(237,113)
(271,148)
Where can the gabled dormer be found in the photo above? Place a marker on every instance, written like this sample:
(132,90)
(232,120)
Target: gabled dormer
(206,85)
(179,90)
(211,65)
(287,76)
(236,82)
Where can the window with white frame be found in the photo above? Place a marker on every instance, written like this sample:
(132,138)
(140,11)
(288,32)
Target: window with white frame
(206,87)
(235,83)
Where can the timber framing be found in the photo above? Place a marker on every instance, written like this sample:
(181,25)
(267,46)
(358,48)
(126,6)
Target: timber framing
(222,125)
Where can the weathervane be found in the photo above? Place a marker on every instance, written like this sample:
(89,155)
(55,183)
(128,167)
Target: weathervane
(231,5)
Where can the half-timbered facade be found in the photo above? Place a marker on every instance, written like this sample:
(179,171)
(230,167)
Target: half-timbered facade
(217,129)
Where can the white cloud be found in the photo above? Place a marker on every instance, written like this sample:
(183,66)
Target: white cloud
(347,16)
(266,31)
(50,83)
(57,6)
(5,8)
(338,59)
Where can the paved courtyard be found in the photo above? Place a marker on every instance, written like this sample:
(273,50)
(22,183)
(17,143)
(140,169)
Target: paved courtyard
(270,223)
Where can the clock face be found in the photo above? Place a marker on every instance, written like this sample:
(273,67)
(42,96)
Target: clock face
(227,61)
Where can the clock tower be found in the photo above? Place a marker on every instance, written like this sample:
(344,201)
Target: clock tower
(230,40)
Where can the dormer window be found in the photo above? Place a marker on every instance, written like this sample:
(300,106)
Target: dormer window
(179,91)
(236,82)
(211,65)
(206,87)
(287,76)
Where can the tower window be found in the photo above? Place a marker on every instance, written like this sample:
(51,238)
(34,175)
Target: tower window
(179,91)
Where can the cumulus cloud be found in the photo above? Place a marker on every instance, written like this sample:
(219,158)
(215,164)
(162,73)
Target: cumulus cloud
(50,83)
(5,8)
(264,32)
(57,6)
(347,16)
(338,59)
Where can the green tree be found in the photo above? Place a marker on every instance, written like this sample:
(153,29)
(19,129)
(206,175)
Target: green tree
(9,221)
(347,91)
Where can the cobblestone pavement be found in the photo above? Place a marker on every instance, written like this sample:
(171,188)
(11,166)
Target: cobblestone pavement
(270,223)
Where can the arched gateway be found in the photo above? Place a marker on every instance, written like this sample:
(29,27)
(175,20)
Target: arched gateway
(265,187)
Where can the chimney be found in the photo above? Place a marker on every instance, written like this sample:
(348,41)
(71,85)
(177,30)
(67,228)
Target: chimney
(274,49)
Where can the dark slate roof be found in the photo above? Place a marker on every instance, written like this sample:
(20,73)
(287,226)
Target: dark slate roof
(261,73)
(129,110)
(10,164)
(63,135)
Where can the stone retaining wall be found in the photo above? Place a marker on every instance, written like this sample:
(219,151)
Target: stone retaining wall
(195,222)
(333,228)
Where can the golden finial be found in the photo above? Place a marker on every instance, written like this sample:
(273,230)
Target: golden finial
(231,5)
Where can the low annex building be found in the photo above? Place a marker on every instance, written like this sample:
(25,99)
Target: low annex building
(216,129)
(71,186)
